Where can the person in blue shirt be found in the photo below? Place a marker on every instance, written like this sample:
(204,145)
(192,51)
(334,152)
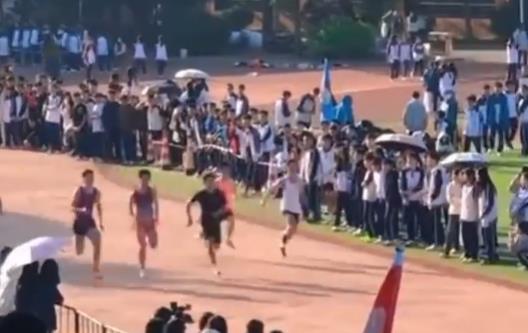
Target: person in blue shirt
(483,105)
(498,118)
(345,111)
(450,108)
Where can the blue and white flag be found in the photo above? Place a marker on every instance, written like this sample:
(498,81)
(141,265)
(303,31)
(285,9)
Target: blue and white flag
(327,105)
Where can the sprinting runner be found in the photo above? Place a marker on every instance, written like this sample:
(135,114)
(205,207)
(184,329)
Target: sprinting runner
(227,185)
(214,209)
(84,226)
(290,204)
(144,208)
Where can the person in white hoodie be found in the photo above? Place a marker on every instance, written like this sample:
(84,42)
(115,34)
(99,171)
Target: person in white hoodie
(487,202)
(436,200)
(161,55)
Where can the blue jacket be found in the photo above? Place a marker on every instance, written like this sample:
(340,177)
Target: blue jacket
(484,106)
(344,113)
(498,114)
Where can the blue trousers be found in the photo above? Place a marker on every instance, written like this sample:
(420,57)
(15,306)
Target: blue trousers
(53,136)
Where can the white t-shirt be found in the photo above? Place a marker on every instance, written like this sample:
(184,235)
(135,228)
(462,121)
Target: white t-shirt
(329,165)
(34,39)
(468,205)
(53,113)
(102,46)
(405,51)
(154,120)
(291,194)
(161,52)
(139,51)
(95,115)
(26,36)
(379,183)
(454,197)
(512,54)
(394,53)
(369,190)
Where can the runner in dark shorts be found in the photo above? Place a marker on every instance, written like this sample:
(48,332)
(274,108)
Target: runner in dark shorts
(214,210)
(86,198)
(144,208)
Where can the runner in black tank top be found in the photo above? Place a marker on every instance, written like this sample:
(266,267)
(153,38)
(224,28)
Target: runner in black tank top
(143,208)
(86,198)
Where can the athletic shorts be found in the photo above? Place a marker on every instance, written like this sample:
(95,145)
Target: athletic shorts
(211,229)
(296,216)
(82,225)
(146,232)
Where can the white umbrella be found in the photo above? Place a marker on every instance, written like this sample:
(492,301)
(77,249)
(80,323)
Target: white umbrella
(469,159)
(37,249)
(401,142)
(191,74)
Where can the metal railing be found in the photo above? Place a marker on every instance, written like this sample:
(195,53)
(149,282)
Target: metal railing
(71,320)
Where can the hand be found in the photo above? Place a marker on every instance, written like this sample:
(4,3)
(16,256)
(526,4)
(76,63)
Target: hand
(189,222)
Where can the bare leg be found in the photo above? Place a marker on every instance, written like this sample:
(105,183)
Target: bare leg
(212,249)
(230,231)
(94,236)
(288,233)
(79,245)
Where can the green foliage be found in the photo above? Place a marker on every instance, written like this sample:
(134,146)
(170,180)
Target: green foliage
(505,19)
(316,12)
(237,17)
(342,37)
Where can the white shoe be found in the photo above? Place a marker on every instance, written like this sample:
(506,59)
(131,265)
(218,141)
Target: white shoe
(142,273)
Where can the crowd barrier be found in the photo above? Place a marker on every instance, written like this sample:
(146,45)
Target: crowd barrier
(71,320)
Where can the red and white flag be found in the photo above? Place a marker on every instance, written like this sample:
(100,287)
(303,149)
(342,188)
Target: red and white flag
(382,316)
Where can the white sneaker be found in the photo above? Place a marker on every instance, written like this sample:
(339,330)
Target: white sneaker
(142,273)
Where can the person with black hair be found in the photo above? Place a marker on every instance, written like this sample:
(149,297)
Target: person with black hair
(393,201)
(255,326)
(473,126)
(86,198)
(218,323)
(204,320)
(469,216)
(140,55)
(144,209)
(488,213)
(25,300)
(368,196)
(22,322)
(213,204)
(311,172)
(47,294)
(155,325)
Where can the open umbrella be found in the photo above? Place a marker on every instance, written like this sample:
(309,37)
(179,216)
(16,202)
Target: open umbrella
(37,249)
(191,73)
(401,142)
(465,159)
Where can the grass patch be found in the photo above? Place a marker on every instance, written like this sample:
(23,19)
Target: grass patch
(180,187)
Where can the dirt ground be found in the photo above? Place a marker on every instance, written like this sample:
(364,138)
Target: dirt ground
(320,286)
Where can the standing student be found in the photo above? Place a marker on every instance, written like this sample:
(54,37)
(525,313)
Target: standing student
(25,45)
(86,198)
(436,200)
(75,49)
(418,55)
(292,188)
(4,49)
(523,119)
(283,114)
(358,174)
(103,53)
(120,50)
(381,199)
(498,118)
(446,83)
(16,37)
(213,205)
(412,185)
(473,126)
(343,186)
(431,79)
(487,204)
(469,217)
(161,55)
(483,105)
(140,55)
(394,202)
(144,209)
(512,58)
(35,39)
(454,198)
(307,108)
(311,172)
(512,101)
(368,196)
(89,59)
(95,116)
(52,118)
(393,57)
(406,52)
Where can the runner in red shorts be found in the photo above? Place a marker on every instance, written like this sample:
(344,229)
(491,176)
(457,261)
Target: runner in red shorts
(144,209)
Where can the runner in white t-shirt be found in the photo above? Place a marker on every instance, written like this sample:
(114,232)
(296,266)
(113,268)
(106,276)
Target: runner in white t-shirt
(290,204)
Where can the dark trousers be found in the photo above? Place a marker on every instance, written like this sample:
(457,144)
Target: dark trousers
(470,239)
(419,67)
(113,145)
(512,130)
(80,144)
(160,66)
(313,197)
(392,221)
(523,131)
(9,134)
(485,137)
(96,144)
(411,215)
(452,234)
(438,233)
(89,70)
(488,236)
(53,136)
(406,67)
(141,64)
(476,141)
(395,69)
(103,61)
(497,131)
(344,204)
(369,215)
(512,72)
(128,140)
(380,216)
(262,171)
(357,212)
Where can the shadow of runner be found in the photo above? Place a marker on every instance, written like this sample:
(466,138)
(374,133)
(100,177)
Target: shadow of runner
(16,228)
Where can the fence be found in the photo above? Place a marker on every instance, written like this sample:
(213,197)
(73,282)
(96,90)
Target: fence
(71,320)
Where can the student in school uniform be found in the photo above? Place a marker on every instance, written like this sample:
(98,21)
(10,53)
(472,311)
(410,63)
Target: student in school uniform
(406,52)
(120,50)
(412,184)
(483,105)
(103,53)
(161,55)
(487,203)
(380,207)
(95,116)
(498,118)
(523,119)
(393,57)
(393,201)
(358,174)
(512,100)
(89,59)
(52,118)
(35,39)
(469,217)
(368,196)
(454,197)
(418,56)
(16,37)
(140,55)
(283,114)
(473,126)
(436,199)
(74,47)
(25,45)
(4,49)
(343,186)
(312,175)
(327,153)
(446,83)
(512,58)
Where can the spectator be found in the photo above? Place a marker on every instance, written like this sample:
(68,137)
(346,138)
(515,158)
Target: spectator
(204,320)
(25,299)
(255,326)
(110,118)
(312,175)
(520,38)
(394,57)
(47,294)
(22,322)
(512,59)
(415,115)
(307,108)
(103,53)
(345,112)
(120,50)
(140,55)
(217,323)
(283,113)
(161,55)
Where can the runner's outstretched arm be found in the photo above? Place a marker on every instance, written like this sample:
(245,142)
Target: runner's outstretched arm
(99,208)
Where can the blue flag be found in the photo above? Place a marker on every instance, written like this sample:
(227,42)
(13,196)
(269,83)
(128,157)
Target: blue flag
(327,105)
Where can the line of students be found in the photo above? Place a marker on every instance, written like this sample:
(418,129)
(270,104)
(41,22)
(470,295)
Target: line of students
(406,58)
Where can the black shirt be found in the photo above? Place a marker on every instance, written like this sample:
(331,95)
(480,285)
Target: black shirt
(79,115)
(210,202)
